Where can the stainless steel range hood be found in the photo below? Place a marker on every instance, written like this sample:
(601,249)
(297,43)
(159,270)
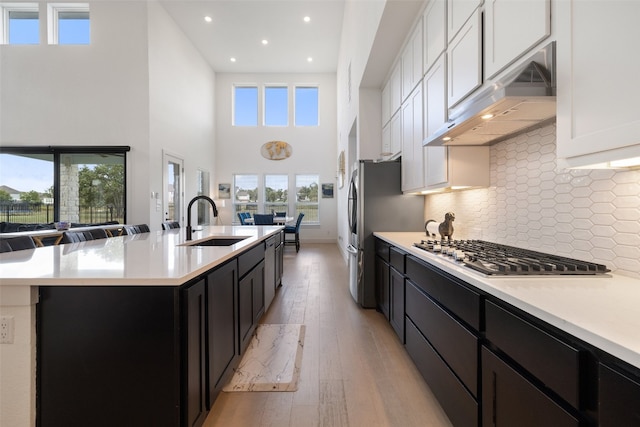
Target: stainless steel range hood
(519,102)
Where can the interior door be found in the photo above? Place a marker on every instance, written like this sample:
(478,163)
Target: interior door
(173,188)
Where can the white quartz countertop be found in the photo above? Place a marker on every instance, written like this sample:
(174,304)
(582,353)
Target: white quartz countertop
(603,311)
(146,259)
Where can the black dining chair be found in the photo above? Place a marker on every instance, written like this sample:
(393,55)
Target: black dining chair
(4,246)
(99,233)
(21,243)
(169,225)
(295,231)
(144,228)
(130,229)
(263,219)
(76,237)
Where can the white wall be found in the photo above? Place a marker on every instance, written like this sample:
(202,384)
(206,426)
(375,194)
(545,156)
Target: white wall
(359,26)
(314,148)
(181,109)
(79,95)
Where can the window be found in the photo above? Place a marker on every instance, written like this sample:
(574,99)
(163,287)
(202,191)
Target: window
(69,23)
(76,184)
(307,198)
(276,189)
(245,111)
(306,106)
(20,23)
(276,111)
(276,198)
(245,194)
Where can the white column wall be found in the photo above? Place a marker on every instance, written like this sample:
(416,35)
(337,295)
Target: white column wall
(181,109)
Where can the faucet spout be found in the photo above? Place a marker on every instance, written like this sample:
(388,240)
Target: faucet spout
(195,199)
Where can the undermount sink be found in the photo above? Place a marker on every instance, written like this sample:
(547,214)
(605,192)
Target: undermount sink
(218,241)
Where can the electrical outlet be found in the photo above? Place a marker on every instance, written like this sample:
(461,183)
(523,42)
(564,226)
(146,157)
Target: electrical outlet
(6,330)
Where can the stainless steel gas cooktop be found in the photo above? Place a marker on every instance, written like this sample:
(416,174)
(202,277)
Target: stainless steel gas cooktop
(502,260)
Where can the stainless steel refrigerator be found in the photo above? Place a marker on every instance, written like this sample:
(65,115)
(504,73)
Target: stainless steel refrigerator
(376,203)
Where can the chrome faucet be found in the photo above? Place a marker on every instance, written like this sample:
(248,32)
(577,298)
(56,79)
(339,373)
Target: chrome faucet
(211,202)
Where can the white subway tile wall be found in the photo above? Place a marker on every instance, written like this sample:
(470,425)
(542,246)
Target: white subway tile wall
(593,215)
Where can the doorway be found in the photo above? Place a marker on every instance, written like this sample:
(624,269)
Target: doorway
(173,191)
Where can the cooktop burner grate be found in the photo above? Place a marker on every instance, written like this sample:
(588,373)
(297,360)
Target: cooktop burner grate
(497,259)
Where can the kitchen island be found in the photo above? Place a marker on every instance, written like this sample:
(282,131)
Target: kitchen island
(523,350)
(133,330)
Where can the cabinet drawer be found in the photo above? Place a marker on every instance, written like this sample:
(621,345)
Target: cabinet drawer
(382,249)
(508,399)
(250,259)
(457,402)
(457,298)
(396,259)
(455,343)
(552,361)
(618,399)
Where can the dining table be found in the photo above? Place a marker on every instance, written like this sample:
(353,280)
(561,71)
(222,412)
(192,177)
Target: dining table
(278,220)
(38,235)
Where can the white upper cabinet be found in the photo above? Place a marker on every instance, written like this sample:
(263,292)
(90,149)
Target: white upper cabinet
(511,28)
(395,88)
(435,116)
(435,31)
(464,56)
(386,141)
(386,103)
(459,12)
(598,114)
(395,134)
(412,61)
(412,166)
(435,97)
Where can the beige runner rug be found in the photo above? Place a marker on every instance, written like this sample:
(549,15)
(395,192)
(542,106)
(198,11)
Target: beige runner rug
(272,360)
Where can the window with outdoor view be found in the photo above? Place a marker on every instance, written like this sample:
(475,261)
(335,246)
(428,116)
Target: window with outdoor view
(69,23)
(245,194)
(306,106)
(245,106)
(276,111)
(307,200)
(19,23)
(45,185)
(276,189)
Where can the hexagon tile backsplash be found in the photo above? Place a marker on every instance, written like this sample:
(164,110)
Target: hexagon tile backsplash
(593,215)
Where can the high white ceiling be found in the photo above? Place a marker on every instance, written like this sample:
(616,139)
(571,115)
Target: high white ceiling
(238,27)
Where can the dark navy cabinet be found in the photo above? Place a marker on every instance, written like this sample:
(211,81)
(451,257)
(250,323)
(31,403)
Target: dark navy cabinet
(144,355)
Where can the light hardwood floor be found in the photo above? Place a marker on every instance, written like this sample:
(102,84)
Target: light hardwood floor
(355,372)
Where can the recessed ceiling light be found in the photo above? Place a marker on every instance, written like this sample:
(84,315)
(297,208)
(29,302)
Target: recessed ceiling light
(233,59)
(208,18)
(487,116)
(309,59)
(265,42)
(306,19)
